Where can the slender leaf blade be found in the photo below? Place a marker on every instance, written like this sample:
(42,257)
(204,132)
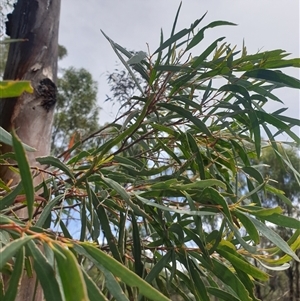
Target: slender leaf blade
(70,274)
(25,173)
(12,289)
(125,274)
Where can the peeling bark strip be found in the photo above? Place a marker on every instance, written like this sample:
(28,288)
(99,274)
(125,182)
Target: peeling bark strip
(31,115)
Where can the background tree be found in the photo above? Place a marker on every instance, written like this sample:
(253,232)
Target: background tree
(285,285)
(168,161)
(76,111)
(3,58)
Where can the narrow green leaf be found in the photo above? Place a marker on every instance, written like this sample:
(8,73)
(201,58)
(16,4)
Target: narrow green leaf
(252,192)
(104,221)
(261,211)
(275,77)
(179,291)
(8,41)
(199,286)
(188,115)
(172,40)
(196,185)
(255,129)
(5,220)
(292,121)
(158,267)
(273,237)
(282,267)
(249,248)
(93,290)
(240,150)
(200,35)
(278,193)
(195,149)
(111,283)
(207,93)
(9,250)
(14,88)
(168,151)
(136,248)
(45,274)
(122,192)
(55,162)
(65,230)
(124,274)
(199,59)
(83,220)
(173,68)
(250,228)
(282,220)
(241,264)
(137,58)
(70,274)
(265,117)
(10,198)
(221,294)
(14,279)
(192,236)
(171,209)
(228,277)
(126,65)
(172,33)
(216,198)
(6,138)
(106,148)
(47,210)
(282,63)
(25,173)
(254,173)
(237,89)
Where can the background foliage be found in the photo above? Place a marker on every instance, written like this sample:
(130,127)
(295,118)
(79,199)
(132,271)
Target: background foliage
(76,111)
(144,193)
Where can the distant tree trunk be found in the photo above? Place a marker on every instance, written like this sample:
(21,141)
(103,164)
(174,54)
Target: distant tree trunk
(297,279)
(257,286)
(31,115)
(290,275)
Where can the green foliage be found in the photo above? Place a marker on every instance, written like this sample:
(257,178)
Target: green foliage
(285,178)
(285,174)
(10,89)
(76,110)
(172,161)
(14,88)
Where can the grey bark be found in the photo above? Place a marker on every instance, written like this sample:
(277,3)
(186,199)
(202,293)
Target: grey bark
(31,115)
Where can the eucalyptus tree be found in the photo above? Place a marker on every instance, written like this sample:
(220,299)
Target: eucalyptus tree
(33,27)
(77,112)
(171,159)
(286,178)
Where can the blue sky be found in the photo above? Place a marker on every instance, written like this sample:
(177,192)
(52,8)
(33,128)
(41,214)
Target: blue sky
(264,25)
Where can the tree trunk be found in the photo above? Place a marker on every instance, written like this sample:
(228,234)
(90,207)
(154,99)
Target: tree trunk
(297,278)
(257,286)
(289,273)
(31,115)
